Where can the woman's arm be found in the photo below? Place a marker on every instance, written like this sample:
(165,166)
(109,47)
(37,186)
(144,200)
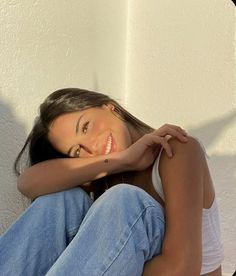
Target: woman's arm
(182,178)
(60,174)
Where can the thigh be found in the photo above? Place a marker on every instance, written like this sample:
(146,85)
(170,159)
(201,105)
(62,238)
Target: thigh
(121,231)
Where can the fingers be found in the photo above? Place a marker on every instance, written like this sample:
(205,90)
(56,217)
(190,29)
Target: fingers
(154,139)
(174,131)
(166,147)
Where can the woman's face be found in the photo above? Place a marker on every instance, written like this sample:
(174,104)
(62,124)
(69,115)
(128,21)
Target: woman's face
(91,132)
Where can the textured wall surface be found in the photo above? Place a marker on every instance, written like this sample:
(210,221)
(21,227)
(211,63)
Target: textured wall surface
(45,46)
(167,62)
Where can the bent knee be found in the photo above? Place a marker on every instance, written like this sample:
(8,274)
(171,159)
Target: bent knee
(126,199)
(127,193)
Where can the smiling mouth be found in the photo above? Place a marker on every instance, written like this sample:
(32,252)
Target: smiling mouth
(109,145)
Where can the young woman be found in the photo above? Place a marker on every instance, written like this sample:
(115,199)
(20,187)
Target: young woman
(111,196)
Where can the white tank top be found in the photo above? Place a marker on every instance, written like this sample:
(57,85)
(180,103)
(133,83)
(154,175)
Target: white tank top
(212,249)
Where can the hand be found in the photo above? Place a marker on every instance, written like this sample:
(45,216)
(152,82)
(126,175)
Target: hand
(144,151)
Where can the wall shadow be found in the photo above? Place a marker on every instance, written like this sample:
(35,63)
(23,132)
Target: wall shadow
(223,171)
(208,133)
(12,136)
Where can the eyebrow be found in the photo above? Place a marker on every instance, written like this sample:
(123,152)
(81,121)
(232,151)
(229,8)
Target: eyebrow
(77,124)
(76,132)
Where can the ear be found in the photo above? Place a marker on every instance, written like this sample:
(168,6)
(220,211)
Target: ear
(109,106)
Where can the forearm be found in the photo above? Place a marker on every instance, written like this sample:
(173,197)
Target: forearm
(60,174)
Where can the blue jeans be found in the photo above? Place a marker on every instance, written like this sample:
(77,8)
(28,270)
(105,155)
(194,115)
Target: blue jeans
(65,233)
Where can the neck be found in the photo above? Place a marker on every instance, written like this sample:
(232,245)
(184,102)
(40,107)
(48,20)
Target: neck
(135,133)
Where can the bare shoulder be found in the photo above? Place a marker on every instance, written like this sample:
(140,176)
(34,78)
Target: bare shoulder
(189,153)
(190,147)
(182,173)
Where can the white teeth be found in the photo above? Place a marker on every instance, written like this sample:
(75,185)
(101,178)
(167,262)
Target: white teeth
(109,143)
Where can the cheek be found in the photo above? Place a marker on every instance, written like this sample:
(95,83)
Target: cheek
(123,139)
(102,124)
(99,127)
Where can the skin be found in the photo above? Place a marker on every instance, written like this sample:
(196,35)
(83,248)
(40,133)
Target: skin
(95,127)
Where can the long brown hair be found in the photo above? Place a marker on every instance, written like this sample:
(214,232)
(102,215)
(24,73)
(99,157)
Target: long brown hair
(37,146)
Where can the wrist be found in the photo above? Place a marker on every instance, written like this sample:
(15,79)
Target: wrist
(120,161)
(123,160)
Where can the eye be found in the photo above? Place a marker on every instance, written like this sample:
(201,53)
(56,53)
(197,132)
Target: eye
(84,130)
(85,127)
(77,152)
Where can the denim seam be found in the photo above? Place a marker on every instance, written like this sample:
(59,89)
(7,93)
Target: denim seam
(128,237)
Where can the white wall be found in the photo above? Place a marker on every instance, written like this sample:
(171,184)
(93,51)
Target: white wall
(46,45)
(165,61)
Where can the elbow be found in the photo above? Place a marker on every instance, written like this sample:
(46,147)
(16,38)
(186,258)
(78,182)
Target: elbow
(20,185)
(24,188)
